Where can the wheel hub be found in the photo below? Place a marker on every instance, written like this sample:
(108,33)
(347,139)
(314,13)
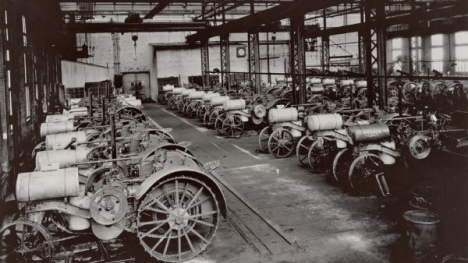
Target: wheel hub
(178,218)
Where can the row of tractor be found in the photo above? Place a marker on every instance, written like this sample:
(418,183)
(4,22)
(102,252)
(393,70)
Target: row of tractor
(335,132)
(105,172)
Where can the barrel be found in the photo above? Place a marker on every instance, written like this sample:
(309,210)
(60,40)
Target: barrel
(167,88)
(234,105)
(177,91)
(43,185)
(283,115)
(315,81)
(59,118)
(361,84)
(368,133)
(196,95)
(328,81)
(217,101)
(207,96)
(421,233)
(346,82)
(61,140)
(64,158)
(56,127)
(321,122)
(186,92)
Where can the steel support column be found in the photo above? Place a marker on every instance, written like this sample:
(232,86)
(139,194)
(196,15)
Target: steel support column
(254,61)
(297,59)
(205,64)
(225,61)
(325,53)
(375,51)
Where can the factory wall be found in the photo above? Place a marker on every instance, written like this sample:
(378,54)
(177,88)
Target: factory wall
(29,76)
(76,74)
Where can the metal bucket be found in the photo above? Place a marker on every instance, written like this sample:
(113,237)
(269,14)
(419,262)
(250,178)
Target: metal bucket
(421,233)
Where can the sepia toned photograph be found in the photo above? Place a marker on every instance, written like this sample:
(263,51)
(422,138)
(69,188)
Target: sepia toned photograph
(234,131)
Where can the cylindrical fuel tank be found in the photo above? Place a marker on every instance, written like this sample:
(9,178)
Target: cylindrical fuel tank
(135,103)
(77,112)
(64,158)
(59,118)
(328,81)
(217,101)
(45,185)
(283,115)
(317,89)
(59,141)
(234,105)
(186,92)
(56,127)
(196,95)
(207,97)
(321,122)
(314,81)
(168,88)
(361,84)
(177,91)
(368,133)
(346,82)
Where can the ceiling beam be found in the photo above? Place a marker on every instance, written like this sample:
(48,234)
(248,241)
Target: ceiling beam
(134,27)
(158,8)
(279,12)
(412,17)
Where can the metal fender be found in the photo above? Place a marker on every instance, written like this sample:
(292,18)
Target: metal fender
(173,171)
(172,146)
(131,108)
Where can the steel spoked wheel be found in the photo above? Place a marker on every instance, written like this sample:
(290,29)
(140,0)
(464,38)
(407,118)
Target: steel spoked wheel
(302,149)
(320,154)
(362,173)
(178,219)
(218,124)
(341,164)
(233,126)
(172,103)
(201,111)
(212,117)
(25,241)
(263,138)
(281,143)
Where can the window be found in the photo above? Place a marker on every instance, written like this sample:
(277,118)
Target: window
(25,38)
(461,51)
(37,91)
(437,52)
(11,103)
(25,69)
(6,17)
(28,103)
(397,48)
(416,53)
(7,55)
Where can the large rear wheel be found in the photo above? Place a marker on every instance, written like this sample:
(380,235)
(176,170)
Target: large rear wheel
(177,219)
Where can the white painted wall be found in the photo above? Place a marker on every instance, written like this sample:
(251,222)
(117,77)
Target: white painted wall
(76,74)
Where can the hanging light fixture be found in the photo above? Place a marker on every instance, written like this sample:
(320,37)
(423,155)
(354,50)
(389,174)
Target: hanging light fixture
(135,38)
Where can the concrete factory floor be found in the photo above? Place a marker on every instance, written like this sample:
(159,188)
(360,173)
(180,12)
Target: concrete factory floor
(311,220)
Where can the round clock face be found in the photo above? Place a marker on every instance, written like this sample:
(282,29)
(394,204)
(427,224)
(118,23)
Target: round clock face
(241,52)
